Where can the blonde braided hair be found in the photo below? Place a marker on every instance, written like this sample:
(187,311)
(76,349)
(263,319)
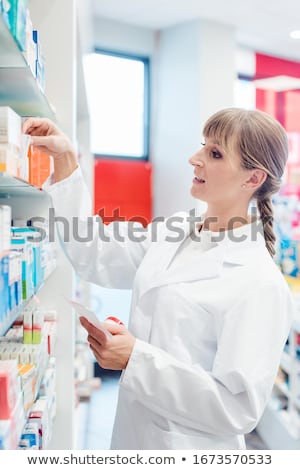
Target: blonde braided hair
(262,143)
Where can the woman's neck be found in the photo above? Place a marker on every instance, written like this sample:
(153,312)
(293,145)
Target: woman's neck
(218,222)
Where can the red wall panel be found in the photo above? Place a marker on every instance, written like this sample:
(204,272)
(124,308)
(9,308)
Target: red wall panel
(283,105)
(266,101)
(292,111)
(123,189)
(268,66)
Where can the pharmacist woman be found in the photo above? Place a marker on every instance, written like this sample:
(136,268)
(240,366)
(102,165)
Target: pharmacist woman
(210,309)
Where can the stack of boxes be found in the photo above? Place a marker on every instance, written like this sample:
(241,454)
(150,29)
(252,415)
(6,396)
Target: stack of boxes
(17,157)
(27,384)
(25,262)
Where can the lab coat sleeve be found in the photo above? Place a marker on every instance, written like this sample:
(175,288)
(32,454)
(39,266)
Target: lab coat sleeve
(231,398)
(108,255)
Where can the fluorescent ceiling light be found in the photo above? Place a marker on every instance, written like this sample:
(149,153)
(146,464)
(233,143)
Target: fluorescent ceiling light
(279,83)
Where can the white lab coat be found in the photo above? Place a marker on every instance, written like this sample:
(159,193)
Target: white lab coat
(209,336)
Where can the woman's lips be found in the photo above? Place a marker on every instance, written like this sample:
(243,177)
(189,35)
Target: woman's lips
(198,180)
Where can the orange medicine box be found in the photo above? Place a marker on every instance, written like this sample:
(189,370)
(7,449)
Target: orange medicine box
(39,166)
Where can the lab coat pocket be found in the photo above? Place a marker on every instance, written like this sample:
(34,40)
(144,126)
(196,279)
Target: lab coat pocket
(157,438)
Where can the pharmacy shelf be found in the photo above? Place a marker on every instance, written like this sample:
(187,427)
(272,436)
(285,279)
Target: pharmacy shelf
(296,325)
(14,315)
(26,201)
(19,309)
(18,87)
(285,362)
(9,321)
(282,388)
(12,186)
(27,99)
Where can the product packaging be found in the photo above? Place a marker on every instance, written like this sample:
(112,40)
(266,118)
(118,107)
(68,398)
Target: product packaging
(30,46)
(10,127)
(39,414)
(27,326)
(22,246)
(4,291)
(5,222)
(40,62)
(33,238)
(30,437)
(17,12)
(28,375)
(290,257)
(37,326)
(40,166)
(9,388)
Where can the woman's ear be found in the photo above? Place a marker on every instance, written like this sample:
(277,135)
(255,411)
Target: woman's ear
(257,178)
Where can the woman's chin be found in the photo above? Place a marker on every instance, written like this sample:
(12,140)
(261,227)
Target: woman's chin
(196,193)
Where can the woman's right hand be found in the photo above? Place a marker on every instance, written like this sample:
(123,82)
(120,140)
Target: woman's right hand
(47,137)
(50,139)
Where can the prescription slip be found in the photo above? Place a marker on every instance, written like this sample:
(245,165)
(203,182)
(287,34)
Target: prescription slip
(85,312)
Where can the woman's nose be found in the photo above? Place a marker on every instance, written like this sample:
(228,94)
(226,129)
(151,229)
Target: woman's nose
(196,160)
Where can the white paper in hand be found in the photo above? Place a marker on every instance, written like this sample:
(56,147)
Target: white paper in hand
(83,311)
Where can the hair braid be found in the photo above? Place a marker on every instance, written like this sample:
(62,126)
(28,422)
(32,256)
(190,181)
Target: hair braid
(266,213)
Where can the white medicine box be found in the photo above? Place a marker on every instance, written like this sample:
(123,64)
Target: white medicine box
(10,127)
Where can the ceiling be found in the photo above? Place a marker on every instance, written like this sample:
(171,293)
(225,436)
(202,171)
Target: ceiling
(263,25)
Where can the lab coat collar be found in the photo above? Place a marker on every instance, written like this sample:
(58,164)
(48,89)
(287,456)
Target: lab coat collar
(232,246)
(240,243)
(235,247)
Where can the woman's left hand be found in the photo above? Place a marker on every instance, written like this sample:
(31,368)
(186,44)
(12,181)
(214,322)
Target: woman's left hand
(111,353)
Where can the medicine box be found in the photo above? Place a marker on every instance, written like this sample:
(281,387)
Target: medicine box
(10,127)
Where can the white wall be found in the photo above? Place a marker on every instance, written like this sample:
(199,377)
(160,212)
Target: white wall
(217,67)
(113,35)
(194,75)
(85,25)
(175,117)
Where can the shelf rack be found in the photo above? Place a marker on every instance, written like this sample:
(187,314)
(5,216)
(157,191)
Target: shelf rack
(57,23)
(10,185)
(26,201)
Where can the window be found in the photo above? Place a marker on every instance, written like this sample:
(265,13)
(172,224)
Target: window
(118,95)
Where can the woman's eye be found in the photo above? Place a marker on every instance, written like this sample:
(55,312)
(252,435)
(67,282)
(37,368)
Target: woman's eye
(216,154)
(212,152)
